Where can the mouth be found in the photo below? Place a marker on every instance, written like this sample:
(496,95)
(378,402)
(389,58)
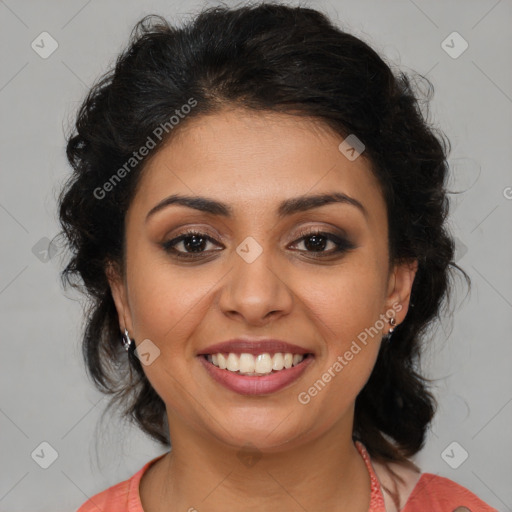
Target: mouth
(256,374)
(255,365)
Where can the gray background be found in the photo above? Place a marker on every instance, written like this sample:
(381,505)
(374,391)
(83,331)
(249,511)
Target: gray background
(45,395)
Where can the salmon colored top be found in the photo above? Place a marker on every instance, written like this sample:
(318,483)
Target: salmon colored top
(427,492)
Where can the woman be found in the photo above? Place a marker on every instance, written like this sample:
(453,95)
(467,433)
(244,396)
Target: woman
(257,212)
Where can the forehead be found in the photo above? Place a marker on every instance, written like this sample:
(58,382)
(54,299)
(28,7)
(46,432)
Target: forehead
(255,159)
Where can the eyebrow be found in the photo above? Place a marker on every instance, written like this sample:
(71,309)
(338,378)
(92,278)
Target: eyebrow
(286,208)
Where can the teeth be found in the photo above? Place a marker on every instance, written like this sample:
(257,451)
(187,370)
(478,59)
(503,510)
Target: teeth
(262,364)
(278,362)
(222,361)
(232,363)
(246,363)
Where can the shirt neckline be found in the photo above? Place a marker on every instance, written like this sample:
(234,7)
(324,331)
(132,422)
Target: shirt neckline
(376,496)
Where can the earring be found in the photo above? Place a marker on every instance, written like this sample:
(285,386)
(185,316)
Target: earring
(387,336)
(126,340)
(392,322)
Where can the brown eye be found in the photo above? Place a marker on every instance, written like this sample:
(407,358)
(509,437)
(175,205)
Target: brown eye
(193,244)
(189,245)
(318,241)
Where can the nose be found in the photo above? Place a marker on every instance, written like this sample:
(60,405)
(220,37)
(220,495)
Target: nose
(256,292)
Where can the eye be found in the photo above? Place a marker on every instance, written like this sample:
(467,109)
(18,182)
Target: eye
(316,241)
(192,242)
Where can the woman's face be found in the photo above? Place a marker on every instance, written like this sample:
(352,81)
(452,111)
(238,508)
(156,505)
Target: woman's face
(257,273)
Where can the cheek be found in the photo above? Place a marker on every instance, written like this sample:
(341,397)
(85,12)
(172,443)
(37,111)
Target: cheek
(346,308)
(346,301)
(164,299)
(167,304)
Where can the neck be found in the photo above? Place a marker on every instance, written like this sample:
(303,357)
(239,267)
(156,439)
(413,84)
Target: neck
(206,474)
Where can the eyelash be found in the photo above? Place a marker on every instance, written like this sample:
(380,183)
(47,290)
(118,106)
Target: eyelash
(343,245)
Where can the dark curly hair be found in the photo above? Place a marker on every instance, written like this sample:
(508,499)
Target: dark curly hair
(264,57)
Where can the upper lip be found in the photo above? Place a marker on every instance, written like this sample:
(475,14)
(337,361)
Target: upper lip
(254,346)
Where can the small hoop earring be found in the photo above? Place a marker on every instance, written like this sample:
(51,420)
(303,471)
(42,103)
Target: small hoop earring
(126,340)
(392,322)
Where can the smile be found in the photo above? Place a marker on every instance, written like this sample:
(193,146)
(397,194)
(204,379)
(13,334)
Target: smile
(260,374)
(255,365)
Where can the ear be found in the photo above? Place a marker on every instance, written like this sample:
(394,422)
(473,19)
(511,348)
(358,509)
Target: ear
(118,289)
(400,283)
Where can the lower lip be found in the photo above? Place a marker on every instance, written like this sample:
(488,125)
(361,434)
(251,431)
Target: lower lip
(246,385)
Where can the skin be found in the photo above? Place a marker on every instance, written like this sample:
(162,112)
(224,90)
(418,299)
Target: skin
(252,162)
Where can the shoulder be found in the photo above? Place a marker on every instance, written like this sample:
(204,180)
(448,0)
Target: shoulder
(443,494)
(418,492)
(121,497)
(110,500)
